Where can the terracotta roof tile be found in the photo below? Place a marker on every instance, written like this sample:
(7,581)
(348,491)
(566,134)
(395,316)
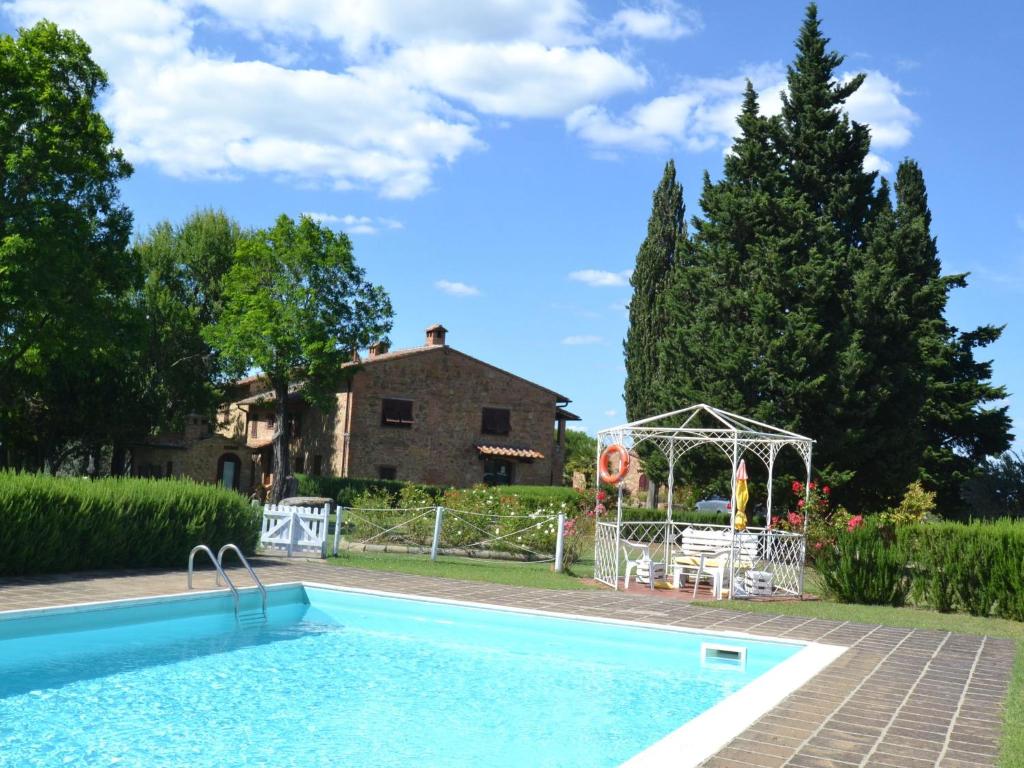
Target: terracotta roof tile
(509,452)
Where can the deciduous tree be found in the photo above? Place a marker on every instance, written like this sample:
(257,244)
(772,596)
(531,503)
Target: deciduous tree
(295,306)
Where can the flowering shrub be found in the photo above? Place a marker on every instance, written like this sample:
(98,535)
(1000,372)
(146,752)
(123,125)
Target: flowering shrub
(481,518)
(824,522)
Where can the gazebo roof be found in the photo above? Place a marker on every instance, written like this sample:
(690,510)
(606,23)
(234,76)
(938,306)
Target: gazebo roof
(678,432)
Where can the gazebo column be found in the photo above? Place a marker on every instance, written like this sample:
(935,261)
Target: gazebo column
(732,518)
(667,539)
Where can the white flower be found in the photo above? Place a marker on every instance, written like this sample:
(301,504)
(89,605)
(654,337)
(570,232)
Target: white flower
(519,538)
(497,531)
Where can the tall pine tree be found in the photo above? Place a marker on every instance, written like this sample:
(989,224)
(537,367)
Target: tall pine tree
(808,300)
(666,238)
(961,428)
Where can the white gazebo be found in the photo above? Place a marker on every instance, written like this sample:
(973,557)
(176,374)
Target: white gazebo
(774,557)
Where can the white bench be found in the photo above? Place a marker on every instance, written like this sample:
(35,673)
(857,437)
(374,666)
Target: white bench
(706,553)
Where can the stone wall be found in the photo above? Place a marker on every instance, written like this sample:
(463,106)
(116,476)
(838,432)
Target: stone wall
(197,461)
(449,391)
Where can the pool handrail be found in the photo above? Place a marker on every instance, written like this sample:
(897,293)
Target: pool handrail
(220,572)
(252,574)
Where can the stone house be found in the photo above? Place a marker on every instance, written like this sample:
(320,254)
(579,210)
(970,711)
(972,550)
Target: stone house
(427,414)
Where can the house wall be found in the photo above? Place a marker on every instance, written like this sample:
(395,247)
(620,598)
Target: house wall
(197,461)
(449,391)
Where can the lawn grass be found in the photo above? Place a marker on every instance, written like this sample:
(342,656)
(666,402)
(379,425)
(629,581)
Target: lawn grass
(1012,747)
(494,571)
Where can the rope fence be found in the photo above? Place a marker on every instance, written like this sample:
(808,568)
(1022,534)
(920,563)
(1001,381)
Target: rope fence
(523,537)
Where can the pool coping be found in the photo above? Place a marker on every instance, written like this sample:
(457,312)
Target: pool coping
(898,698)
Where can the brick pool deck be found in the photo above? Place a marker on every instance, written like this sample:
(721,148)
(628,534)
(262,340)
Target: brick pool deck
(898,698)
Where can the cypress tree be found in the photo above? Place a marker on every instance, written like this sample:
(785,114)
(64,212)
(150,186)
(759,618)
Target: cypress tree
(666,236)
(960,427)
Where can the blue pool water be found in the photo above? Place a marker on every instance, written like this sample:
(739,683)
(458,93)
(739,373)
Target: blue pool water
(344,679)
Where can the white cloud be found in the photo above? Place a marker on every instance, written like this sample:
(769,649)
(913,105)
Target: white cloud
(877,103)
(575,341)
(455,288)
(701,114)
(665,20)
(519,79)
(878,163)
(368,28)
(355,225)
(597,278)
(380,113)
(610,413)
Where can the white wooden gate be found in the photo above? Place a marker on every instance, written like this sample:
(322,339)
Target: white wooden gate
(295,529)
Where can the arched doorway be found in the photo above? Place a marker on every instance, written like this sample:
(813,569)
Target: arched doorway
(229,471)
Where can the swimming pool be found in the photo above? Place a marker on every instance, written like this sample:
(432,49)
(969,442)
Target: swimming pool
(348,678)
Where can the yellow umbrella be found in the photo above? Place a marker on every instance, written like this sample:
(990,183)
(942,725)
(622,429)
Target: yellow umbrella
(742,495)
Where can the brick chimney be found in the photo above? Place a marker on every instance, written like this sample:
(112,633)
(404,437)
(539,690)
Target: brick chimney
(435,335)
(379,348)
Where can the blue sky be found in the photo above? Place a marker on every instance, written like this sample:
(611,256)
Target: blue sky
(493,162)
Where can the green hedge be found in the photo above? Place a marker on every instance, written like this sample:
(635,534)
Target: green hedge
(345,490)
(643,514)
(60,524)
(976,567)
(869,564)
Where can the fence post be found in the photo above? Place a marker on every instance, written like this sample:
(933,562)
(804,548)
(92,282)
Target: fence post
(323,531)
(437,532)
(337,528)
(293,528)
(560,542)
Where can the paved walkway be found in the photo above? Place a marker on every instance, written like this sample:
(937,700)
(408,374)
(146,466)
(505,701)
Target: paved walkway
(899,698)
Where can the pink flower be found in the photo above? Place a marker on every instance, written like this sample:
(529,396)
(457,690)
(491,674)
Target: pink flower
(855,521)
(601,495)
(797,486)
(729,505)
(819,544)
(599,509)
(811,485)
(775,519)
(794,519)
(826,490)
(800,502)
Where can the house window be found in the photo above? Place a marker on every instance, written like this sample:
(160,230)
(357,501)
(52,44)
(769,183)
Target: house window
(498,472)
(387,473)
(300,462)
(229,470)
(496,421)
(396,413)
(254,426)
(318,464)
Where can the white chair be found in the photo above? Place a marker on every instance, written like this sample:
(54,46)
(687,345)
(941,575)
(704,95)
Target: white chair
(706,554)
(639,562)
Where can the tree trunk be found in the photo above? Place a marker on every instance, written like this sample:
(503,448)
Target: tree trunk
(281,468)
(652,495)
(118,460)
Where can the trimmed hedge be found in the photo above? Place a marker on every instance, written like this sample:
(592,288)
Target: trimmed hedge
(976,567)
(345,490)
(61,524)
(643,514)
(869,564)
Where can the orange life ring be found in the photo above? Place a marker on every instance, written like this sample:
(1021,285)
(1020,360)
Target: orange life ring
(605,470)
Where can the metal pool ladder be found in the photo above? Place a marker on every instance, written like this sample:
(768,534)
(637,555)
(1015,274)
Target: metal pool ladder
(244,619)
